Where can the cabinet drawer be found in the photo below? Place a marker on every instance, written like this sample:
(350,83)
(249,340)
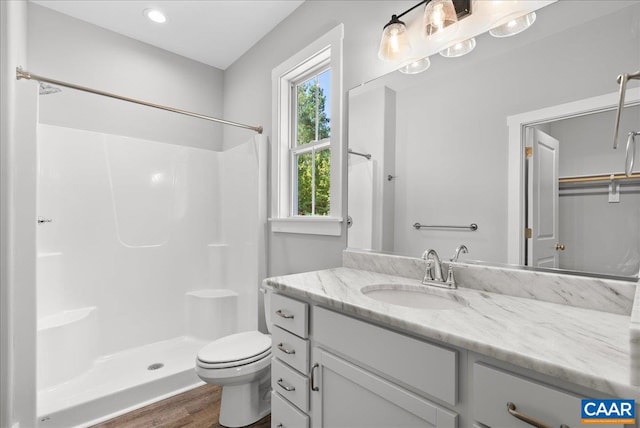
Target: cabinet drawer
(426,367)
(291,349)
(284,415)
(290,384)
(290,314)
(493,389)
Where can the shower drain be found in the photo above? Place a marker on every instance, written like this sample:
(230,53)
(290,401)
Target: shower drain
(155,366)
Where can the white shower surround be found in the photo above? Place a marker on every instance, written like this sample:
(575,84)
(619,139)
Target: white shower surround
(137,227)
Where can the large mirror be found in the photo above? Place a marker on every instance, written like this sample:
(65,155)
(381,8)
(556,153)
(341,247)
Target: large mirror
(436,149)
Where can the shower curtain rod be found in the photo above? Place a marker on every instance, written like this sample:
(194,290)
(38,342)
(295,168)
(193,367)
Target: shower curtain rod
(21,74)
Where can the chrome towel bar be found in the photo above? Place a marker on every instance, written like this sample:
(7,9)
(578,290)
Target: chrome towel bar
(472,227)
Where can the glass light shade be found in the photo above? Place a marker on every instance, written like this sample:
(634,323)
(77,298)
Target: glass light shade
(514,26)
(394,44)
(438,15)
(459,48)
(416,67)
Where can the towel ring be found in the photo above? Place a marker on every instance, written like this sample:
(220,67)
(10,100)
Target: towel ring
(631,143)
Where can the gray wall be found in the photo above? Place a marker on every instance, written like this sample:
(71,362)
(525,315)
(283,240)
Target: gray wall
(247,88)
(586,142)
(71,50)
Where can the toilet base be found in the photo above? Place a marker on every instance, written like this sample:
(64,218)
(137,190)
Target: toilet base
(242,405)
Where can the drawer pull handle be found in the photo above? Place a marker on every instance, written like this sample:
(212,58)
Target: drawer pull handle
(511,408)
(283,315)
(287,388)
(285,350)
(279,426)
(313,377)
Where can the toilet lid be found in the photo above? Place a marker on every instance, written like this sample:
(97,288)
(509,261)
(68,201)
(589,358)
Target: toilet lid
(236,347)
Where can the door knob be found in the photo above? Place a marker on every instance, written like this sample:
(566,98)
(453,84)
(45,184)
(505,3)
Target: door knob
(560,247)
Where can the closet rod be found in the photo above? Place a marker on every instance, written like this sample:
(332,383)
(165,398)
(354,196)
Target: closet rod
(594,178)
(21,74)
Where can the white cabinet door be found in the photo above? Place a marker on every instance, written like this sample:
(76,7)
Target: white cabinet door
(351,397)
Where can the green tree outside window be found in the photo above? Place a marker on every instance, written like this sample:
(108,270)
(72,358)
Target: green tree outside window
(313,167)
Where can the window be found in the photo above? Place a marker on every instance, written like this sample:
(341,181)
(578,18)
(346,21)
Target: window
(306,196)
(311,151)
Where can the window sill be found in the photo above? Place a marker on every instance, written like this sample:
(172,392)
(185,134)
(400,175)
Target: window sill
(330,226)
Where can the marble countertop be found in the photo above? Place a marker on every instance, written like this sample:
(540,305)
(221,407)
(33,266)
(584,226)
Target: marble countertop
(581,346)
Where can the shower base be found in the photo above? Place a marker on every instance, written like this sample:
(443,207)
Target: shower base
(121,382)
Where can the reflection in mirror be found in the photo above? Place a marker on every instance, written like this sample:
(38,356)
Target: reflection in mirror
(595,228)
(439,145)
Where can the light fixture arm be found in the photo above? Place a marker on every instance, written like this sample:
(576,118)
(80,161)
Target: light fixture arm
(395,18)
(411,8)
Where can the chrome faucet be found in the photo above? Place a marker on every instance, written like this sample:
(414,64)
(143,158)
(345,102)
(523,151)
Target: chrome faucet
(433,273)
(433,270)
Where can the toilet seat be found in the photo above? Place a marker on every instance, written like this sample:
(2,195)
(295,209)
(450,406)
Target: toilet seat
(235,350)
(207,365)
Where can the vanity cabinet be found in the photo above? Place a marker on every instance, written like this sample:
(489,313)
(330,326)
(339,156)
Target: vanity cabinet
(332,370)
(495,391)
(290,363)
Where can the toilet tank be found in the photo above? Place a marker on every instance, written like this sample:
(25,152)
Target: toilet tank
(267,290)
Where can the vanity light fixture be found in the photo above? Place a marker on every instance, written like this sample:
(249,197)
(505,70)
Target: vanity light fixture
(416,67)
(514,26)
(395,42)
(155,15)
(438,15)
(459,48)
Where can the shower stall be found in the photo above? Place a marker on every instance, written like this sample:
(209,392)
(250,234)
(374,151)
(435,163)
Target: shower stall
(146,251)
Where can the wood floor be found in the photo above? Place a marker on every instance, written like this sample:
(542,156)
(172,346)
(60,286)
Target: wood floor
(199,408)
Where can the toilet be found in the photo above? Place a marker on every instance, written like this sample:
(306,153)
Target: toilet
(241,364)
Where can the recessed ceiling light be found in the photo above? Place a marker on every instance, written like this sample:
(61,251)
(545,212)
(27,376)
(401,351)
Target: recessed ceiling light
(155,15)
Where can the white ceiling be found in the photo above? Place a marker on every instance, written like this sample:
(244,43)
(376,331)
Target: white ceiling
(212,32)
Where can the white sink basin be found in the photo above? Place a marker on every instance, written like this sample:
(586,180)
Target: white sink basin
(414,296)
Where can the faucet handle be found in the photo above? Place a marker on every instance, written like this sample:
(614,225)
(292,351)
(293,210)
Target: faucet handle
(451,281)
(428,273)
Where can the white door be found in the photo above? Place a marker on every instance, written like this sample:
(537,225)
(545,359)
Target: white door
(543,246)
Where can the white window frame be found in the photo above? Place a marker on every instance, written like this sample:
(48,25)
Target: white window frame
(324,52)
